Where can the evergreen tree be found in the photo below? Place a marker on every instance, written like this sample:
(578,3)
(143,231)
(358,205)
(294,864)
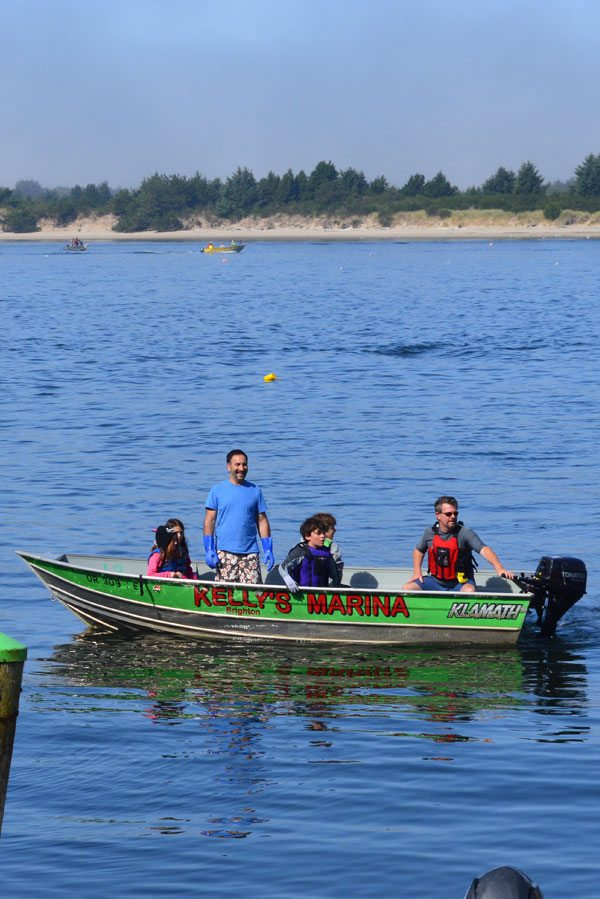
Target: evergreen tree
(104,194)
(62,210)
(239,193)
(529,180)
(91,196)
(379,185)
(130,217)
(21,220)
(414,186)
(268,190)
(122,202)
(503,182)
(587,177)
(155,196)
(179,193)
(439,186)
(302,185)
(289,191)
(353,183)
(329,195)
(205,193)
(323,173)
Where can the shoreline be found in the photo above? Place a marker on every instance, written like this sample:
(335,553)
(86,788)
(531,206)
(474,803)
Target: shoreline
(415,229)
(398,235)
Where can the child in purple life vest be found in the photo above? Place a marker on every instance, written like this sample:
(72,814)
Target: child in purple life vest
(329,525)
(169,556)
(309,564)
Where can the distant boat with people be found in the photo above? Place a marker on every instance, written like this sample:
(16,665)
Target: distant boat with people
(76,245)
(233,247)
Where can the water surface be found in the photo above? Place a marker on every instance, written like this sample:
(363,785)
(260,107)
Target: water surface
(152,767)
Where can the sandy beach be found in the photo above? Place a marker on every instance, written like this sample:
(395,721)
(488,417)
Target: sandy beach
(464,225)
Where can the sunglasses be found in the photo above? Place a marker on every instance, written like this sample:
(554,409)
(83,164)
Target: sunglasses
(450,514)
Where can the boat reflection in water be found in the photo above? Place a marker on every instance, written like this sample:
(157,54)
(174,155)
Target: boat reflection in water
(260,681)
(556,676)
(245,716)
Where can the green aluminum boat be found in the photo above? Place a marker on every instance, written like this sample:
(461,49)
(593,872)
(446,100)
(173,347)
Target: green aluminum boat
(115,593)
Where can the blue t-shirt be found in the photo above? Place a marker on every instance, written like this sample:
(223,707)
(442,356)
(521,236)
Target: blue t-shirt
(237,506)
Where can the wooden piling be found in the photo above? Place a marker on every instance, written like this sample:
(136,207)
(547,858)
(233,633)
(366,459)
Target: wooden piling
(12,658)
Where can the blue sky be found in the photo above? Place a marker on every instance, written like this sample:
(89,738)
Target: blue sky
(118,90)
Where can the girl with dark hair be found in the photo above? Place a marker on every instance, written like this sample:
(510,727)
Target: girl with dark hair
(170,556)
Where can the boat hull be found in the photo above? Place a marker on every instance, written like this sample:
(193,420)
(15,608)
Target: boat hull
(234,248)
(127,600)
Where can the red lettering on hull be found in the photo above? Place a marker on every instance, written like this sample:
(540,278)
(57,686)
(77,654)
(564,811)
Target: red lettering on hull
(336,604)
(317,603)
(400,608)
(201,596)
(283,604)
(261,599)
(354,603)
(219,596)
(246,600)
(358,604)
(350,604)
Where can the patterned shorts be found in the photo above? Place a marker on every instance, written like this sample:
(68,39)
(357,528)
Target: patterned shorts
(239,569)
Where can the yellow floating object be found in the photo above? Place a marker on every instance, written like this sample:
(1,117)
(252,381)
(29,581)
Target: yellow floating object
(270,377)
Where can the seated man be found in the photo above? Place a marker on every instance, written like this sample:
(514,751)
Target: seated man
(449,546)
(309,564)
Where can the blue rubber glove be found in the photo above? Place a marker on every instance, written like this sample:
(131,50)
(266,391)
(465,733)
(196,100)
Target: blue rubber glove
(211,557)
(267,545)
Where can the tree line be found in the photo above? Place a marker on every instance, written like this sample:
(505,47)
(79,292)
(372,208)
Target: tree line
(173,202)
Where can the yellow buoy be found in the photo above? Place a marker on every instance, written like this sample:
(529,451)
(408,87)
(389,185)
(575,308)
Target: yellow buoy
(270,377)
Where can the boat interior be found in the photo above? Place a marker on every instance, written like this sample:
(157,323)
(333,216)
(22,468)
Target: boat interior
(363,578)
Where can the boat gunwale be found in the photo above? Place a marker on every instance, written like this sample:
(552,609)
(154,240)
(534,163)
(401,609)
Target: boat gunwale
(372,590)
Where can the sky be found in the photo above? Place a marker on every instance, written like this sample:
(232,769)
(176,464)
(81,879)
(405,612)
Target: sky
(117,90)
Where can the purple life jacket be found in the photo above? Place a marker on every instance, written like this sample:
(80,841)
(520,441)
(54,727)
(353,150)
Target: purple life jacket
(312,571)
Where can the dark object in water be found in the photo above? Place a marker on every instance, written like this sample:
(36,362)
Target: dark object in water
(557,583)
(504,883)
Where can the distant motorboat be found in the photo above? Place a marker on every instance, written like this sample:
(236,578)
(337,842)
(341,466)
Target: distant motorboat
(76,245)
(233,247)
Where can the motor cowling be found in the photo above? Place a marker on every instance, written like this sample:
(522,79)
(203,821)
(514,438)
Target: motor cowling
(557,584)
(563,576)
(504,883)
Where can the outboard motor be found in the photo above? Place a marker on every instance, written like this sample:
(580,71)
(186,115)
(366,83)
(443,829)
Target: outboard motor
(504,883)
(557,583)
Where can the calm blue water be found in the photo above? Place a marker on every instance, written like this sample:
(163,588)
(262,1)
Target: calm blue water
(159,768)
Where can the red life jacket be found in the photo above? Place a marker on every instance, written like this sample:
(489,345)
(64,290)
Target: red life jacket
(446,561)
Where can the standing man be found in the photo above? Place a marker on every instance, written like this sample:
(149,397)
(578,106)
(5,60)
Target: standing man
(449,546)
(235,510)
